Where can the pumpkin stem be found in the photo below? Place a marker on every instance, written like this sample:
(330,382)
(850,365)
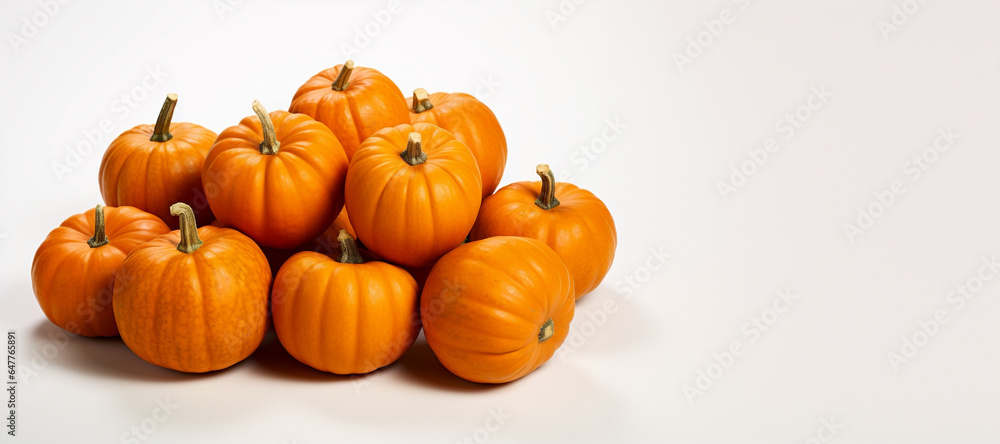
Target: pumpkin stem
(413,155)
(344,76)
(421,101)
(161,132)
(547,196)
(548,329)
(270,144)
(100,237)
(189,228)
(349,253)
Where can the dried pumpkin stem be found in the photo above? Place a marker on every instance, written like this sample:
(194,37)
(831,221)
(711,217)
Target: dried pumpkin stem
(349,253)
(189,228)
(413,155)
(548,329)
(421,101)
(547,197)
(270,145)
(343,79)
(161,132)
(100,237)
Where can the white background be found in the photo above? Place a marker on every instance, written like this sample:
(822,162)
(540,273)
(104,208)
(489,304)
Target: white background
(554,87)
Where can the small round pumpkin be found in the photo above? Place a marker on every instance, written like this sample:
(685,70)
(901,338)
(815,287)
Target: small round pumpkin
(152,166)
(495,309)
(272,165)
(570,220)
(193,300)
(472,123)
(354,102)
(73,272)
(413,192)
(344,316)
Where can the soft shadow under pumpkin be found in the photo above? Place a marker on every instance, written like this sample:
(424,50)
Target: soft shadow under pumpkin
(420,366)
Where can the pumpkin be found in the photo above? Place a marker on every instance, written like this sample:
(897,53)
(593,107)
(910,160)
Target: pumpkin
(152,166)
(327,242)
(413,192)
(354,102)
(494,310)
(472,123)
(344,316)
(195,299)
(271,165)
(73,272)
(570,220)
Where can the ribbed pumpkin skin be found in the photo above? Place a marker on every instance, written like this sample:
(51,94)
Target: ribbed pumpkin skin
(484,303)
(370,102)
(344,318)
(474,124)
(194,312)
(151,176)
(74,282)
(412,214)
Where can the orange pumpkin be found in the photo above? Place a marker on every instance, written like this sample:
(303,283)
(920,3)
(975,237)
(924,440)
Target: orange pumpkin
(327,242)
(570,220)
(344,316)
(496,309)
(271,165)
(413,193)
(152,166)
(354,102)
(73,272)
(472,123)
(193,300)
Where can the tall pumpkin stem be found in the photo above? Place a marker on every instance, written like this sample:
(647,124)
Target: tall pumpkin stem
(161,132)
(349,253)
(270,145)
(189,228)
(343,79)
(421,101)
(547,197)
(548,329)
(100,237)
(413,155)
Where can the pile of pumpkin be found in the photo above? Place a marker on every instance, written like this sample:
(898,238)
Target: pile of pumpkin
(492,278)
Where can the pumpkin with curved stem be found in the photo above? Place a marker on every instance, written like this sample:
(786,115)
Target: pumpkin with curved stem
(152,166)
(344,316)
(413,192)
(271,165)
(193,300)
(354,102)
(73,272)
(472,123)
(494,310)
(570,220)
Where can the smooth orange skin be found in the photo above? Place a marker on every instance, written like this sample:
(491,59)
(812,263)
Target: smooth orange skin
(484,303)
(412,215)
(73,282)
(580,230)
(370,102)
(151,176)
(281,200)
(472,123)
(344,318)
(195,312)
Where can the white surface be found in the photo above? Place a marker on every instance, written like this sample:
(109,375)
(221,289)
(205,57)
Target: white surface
(825,357)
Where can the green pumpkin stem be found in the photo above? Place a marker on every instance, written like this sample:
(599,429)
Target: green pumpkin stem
(270,144)
(413,155)
(421,101)
(547,196)
(343,79)
(548,329)
(100,237)
(161,132)
(189,228)
(349,253)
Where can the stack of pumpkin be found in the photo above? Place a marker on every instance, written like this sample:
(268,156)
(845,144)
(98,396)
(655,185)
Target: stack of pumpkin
(491,278)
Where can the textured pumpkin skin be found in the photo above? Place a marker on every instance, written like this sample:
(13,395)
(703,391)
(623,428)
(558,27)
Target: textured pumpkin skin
(74,282)
(344,318)
(484,303)
(580,230)
(370,102)
(254,192)
(194,312)
(472,123)
(411,215)
(151,176)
